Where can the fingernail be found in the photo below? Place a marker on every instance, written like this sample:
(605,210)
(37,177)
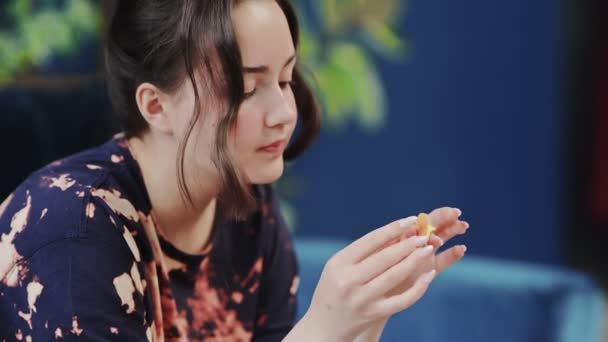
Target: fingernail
(428,277)
(441,242)
(464,248)
(458,212)
(466,224)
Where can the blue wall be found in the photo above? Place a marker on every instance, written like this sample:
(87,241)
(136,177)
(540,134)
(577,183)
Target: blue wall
(474,122)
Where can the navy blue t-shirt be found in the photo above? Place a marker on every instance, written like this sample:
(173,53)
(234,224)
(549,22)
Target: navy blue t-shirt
(81,258)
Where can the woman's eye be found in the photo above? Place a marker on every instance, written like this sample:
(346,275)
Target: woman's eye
(285,84)
(250,94)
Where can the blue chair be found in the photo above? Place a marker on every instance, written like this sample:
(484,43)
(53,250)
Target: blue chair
(483,300)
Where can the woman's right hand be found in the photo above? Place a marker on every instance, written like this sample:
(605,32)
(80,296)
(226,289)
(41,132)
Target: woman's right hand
(351,292)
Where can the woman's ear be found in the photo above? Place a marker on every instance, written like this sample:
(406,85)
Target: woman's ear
(151,104)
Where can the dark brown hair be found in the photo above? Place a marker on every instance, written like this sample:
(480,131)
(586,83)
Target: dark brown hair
(164,41)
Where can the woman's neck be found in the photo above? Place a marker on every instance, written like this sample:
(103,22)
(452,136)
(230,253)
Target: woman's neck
(185,226)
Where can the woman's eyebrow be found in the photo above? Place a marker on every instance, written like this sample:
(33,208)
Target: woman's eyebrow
(264,68)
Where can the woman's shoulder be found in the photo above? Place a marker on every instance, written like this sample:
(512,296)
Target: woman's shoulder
(80,170)
(89,166)
(65,200)
(65,183)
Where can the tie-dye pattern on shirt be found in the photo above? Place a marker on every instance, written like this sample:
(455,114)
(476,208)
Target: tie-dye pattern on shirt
(81,259)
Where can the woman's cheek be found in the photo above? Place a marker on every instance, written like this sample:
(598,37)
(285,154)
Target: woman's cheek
(245,132)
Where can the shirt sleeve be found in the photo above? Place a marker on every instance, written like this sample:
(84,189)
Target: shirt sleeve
(86,287)
(277,308)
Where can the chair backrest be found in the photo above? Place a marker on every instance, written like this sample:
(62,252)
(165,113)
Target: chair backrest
(41,123)
(481,299)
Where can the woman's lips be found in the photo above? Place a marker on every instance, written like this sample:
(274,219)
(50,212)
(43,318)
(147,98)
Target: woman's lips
(275,148)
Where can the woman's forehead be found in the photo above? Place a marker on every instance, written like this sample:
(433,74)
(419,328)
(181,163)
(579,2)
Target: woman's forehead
(262,33)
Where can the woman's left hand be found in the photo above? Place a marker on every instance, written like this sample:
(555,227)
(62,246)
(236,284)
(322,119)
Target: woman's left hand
(448,225)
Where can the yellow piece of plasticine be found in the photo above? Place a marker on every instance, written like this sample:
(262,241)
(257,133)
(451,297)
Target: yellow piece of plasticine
(423,227)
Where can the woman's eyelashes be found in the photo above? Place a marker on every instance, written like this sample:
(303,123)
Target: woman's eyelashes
(283,85)
(286,84)
(250,94)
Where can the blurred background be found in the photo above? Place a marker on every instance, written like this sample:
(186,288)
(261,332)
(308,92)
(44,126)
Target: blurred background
(499,108)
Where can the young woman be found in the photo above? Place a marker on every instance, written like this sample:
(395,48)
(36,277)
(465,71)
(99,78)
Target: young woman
(170,231)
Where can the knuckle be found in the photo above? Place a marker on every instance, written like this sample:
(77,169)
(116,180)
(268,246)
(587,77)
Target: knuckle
(342,284)
(357,303)
(370,313)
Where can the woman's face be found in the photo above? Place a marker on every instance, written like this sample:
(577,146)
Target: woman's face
(267,117)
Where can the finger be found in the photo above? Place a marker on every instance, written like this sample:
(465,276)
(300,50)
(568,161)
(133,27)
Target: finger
(409,232)
(435,241)
(449,232)
(444,217)
(381,261)
(402,301)
(441,218)
(372,241)
(395,275)
(449,257)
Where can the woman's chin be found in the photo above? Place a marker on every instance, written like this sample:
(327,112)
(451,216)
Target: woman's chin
(267,172)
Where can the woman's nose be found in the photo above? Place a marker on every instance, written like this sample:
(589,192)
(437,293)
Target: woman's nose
(281,110)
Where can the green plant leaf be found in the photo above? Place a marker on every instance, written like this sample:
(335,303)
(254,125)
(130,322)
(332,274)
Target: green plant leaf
(372,103)
(82,15)
(384,40)
(34,42)
(329,13)
(337,91)
(309,47)
(38,34)
(19,8)
(350,88)
(54,31)
(8,60)
(385,11)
